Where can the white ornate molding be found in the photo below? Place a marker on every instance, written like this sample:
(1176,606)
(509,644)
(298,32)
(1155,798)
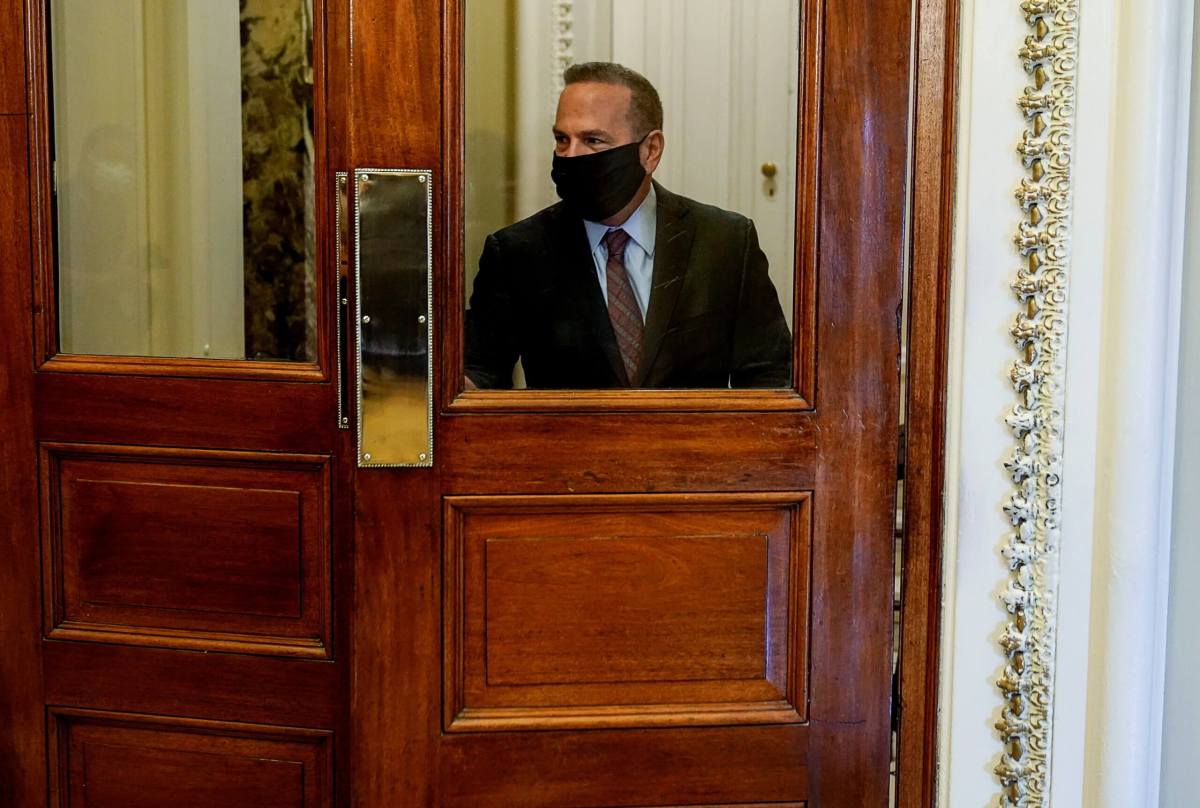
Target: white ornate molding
(563,51)
(1036,421)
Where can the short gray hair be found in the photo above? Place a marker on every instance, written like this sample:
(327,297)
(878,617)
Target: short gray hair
(645,107)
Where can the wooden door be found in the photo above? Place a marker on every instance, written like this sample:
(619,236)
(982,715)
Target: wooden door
(642,598)
(176,540)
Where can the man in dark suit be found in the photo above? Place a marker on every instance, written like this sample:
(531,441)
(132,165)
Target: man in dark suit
(623,283)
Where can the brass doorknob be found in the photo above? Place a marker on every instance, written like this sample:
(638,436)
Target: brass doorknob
(769,170)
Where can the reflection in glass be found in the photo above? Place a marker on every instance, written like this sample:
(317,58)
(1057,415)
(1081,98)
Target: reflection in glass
(726,73)
(184,163)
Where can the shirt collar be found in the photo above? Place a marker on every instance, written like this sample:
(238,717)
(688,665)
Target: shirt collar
(640,226)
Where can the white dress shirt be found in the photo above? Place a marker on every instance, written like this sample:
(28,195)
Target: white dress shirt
(639,251)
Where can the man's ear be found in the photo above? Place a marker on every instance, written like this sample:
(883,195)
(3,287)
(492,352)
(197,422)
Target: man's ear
(652,150)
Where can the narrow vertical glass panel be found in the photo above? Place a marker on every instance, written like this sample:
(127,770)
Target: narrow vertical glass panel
(395,370)
(184,177)
(705,96)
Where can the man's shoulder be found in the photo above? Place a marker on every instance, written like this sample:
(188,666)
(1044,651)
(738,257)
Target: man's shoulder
(704,214)
(532,229)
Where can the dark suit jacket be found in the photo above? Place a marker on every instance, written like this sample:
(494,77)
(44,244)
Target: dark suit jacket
(713,320)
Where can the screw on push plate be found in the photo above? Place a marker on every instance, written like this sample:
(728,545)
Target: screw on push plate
(421,319)
(367,457)
(366,318)
(421,178)
(422,456)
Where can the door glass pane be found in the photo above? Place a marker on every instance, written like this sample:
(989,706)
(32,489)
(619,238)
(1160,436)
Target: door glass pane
(184,164)
(703,293)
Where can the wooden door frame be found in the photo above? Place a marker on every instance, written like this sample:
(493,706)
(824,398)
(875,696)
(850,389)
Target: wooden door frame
(931,237)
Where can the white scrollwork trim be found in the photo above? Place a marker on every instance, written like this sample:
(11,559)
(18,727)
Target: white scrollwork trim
(1043,241)
(564,41)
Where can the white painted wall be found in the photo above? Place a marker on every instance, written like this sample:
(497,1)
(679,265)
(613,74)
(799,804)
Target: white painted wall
(1118,444)
(1136,394)
(977,439)
(1181,713)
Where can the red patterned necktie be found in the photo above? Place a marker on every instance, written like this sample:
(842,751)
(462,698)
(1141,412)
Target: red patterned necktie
(623,309)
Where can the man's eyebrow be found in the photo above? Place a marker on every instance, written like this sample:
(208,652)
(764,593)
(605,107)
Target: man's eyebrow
(601,133)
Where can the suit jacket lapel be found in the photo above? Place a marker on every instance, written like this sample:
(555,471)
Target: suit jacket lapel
(579,270)
(672,247)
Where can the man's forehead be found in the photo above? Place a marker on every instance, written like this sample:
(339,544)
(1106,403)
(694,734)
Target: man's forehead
(595,99)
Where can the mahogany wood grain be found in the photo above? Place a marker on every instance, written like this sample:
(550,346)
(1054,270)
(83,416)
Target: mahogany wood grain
(530,453)
(629,610)
(112,760)
(170,682)
(808,195)
(200,413)
(203,550)
(395,78)
(22,742)
(334,47)
(325,107)
(864,123)
(184,367)
(599,401)
(396,700)
(12,59)
(40,179)
(932,217)
(660,767)
(595,606)
(449,185)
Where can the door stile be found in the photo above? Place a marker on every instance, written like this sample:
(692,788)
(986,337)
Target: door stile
(335,44)
(393,108)
(22,743)
(863,134)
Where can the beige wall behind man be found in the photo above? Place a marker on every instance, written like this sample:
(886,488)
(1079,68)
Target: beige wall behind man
(490,123)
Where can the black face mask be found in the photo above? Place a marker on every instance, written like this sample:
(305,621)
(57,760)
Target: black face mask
(596,186)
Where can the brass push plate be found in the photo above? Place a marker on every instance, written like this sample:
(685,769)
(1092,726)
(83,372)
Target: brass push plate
(394,316)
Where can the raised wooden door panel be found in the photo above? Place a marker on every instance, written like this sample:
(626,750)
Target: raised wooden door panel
(632,611)
(191,549)
(659,767)
(115,760)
